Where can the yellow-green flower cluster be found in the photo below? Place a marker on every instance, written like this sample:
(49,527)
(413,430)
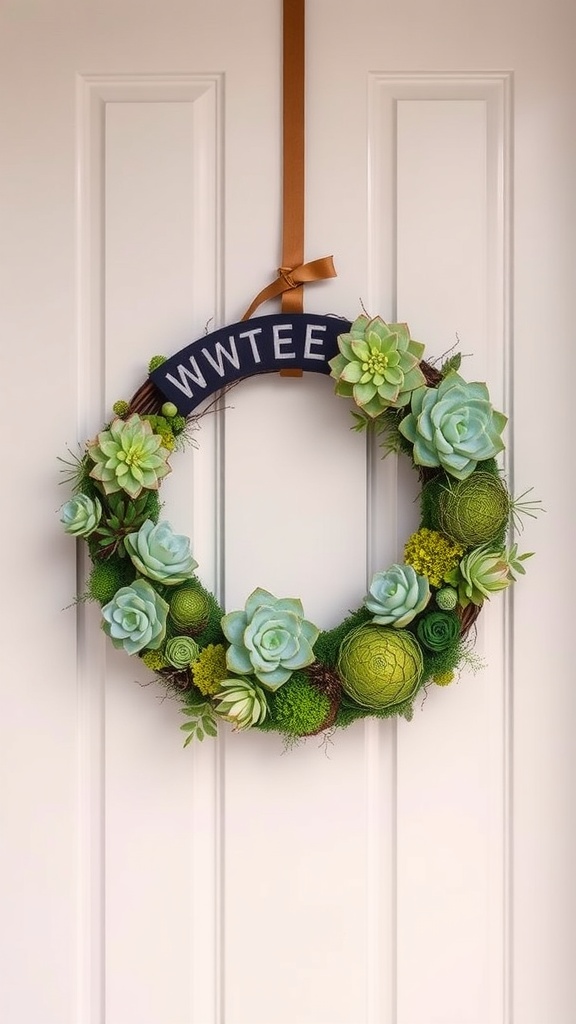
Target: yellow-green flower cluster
(210,669)
(432,555)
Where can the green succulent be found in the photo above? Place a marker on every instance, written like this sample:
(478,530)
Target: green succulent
(483,572)
(124,517)
(181,651)
(377,365)
(396,595)
(161,554)
(270,638)
(242,702)
(190,607)
(438,630)
(135,618)
(129,457)
(80,515)
(453,426)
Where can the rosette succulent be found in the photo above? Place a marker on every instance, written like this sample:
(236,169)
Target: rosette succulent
(438,630)
(396,595)
(270,638)
(128,456)
(80,516)
(242,702)
(160,554)
(481,572)
(453,426)
(378,365)
(181,651)
(135,618)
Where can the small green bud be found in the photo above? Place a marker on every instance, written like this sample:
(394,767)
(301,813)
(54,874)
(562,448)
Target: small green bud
(178,424)
(169,410)
(447,599)
(121,408)
(155,362)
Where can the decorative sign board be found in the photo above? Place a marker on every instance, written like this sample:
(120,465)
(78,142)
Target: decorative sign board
(264,344)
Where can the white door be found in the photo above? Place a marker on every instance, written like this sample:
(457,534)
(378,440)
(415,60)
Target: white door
(404,873)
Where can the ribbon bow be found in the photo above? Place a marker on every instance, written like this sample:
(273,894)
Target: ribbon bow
(289,284)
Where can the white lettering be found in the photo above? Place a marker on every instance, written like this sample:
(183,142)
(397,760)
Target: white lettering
(279,342)
(219,350)
(252,339)
(185,374)
(310,340)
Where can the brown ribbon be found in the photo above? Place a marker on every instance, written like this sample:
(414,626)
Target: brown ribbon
(294,273)
(289,284)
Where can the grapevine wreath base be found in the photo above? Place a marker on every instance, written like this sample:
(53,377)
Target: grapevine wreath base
(266,666)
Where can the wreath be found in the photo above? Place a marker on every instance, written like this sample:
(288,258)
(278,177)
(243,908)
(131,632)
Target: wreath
(266,666)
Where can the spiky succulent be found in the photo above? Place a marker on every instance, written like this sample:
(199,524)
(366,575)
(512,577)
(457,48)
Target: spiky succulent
(129,457)
(242,702)
(124,517)
(483,572)
(378,365)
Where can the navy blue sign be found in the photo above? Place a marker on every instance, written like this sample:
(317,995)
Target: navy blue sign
(303,341)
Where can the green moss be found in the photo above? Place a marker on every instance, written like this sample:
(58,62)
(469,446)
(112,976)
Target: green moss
(349,712)
(297,708)
(440,662)
(107,576)
(153,506)
(121,408)
(327,646)
(178,424)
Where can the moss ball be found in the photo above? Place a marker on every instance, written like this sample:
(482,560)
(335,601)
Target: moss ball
(299,708)
(121,408)
(189,608)
(380,666)
(474,511)
(107,577)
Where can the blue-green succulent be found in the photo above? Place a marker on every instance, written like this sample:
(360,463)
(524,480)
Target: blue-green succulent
(161,554)
(270,638)
(135,618)
(377,365)
(453,426)
(396,595)
(80,516)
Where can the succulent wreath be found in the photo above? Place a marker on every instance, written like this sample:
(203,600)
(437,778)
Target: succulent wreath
(266,666)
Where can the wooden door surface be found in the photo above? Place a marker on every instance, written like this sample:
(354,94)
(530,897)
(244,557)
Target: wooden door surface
(402,873)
